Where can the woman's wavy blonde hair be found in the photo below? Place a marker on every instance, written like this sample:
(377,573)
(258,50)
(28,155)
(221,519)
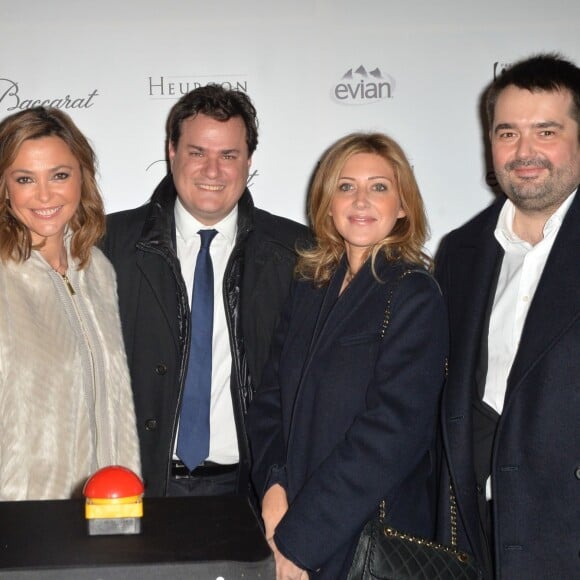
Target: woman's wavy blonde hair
(88,224)
(405,241)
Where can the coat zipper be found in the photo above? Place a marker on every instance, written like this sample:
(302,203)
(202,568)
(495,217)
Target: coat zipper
(68,285)
(85,334)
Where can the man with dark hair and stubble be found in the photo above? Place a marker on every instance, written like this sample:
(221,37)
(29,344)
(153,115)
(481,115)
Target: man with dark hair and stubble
(511,278)
(202,275)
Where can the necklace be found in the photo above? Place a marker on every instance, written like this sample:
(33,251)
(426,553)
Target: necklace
(61,266)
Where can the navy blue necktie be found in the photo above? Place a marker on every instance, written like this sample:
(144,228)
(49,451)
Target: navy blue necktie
(193,440)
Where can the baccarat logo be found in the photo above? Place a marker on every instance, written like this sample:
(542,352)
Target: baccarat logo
(358,86)
(14,98)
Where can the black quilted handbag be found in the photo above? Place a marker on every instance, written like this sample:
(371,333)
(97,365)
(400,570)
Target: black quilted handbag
(385,554)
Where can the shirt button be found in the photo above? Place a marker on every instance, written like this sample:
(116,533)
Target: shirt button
(526,298)
(161,369)
(577,473)
(151,424)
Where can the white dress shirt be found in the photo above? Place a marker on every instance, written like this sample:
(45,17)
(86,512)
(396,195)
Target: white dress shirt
(521,269)
(520,273)
(223,441)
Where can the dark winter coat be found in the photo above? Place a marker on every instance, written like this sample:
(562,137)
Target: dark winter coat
(344,418)
(155,315)
(535,463)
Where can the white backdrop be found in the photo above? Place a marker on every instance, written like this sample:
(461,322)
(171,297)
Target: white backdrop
(315,69)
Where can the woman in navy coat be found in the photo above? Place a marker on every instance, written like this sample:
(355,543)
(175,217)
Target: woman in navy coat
(346,413)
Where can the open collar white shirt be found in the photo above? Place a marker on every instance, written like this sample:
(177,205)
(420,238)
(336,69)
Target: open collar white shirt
(521,269)
(223,445)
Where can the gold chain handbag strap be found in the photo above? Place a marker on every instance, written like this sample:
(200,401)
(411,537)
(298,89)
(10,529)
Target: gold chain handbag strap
(385,325)
(389,305)
(453,516)
(452,549)
(452,502)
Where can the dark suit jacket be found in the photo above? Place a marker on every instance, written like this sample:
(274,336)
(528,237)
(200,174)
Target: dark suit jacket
(536,451)
(343,419)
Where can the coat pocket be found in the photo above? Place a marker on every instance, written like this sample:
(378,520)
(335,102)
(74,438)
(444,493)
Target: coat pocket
(360,338)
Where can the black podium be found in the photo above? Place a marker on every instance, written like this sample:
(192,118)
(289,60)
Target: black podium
(214,538)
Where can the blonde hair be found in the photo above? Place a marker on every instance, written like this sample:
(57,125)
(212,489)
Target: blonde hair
(88,223)
(404,242)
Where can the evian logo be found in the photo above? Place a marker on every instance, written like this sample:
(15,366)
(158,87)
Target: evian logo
(12,99)
(362,87)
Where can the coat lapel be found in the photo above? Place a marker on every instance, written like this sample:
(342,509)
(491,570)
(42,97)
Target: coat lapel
(335,310)
(472,273)
(471,276)
(556,303)
(328,303)
(161,287)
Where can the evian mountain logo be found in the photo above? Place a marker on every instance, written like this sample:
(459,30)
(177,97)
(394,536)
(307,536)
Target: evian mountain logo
(13,99)
(362,87)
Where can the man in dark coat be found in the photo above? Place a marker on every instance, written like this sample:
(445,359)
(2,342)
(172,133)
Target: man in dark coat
(212,134)
(511,278)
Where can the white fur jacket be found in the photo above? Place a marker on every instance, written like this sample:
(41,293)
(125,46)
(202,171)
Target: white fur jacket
(66,406)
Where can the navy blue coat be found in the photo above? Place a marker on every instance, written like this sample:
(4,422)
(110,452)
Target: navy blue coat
(344,418)
(536,453)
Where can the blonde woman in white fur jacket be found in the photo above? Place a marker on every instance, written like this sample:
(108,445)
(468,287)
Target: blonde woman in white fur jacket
(66,406)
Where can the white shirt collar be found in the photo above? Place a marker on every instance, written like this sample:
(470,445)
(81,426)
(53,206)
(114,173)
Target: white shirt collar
(187,226)
(505,234)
